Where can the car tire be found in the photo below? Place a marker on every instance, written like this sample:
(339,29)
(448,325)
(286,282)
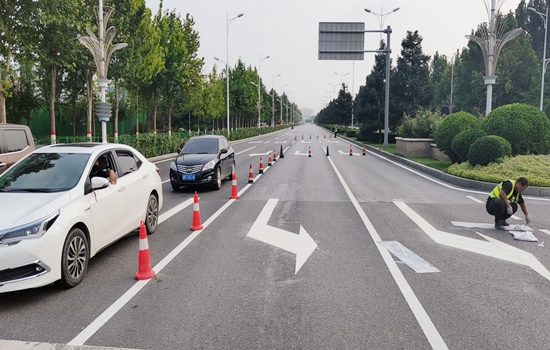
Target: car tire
(230,176)
(74,259)
(217,180)
(152,214)
(175,187)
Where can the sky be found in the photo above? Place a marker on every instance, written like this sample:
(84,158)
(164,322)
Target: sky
(288,32)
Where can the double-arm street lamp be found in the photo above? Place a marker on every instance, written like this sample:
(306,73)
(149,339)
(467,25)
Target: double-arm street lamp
(341,76)
(228,22)
(544,60)
(382,16)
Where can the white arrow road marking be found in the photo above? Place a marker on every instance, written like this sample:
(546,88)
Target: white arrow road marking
(489,226)
(347,153)
(302,245)
(280,141)
(259,154)
(474,199)
(297,153)
(545,231)
(255,141)
(492,247)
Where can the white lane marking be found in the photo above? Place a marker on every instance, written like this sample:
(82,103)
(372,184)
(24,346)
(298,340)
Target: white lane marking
(516,218)
(165,216)
(306,141)
(102,319)
(287,147)
(408,257)
(255,141)
(165,181)
(259,154)
(293,141)
(347,153)
(474,199)
(489,226)
(248,149)
(297,153)
(267,142)
(491,247)
(19,345)
(280,141)
(162,161)
(417,309)
(545,231)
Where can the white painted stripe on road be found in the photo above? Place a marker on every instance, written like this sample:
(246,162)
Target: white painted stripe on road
(20,345)
(165,216)
(474,199)
(516,218)
(162,161)
(545,231)
(417,309)
(102,319)
(248,149)
(284,151)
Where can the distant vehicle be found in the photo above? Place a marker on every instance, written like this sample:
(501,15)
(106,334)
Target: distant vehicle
(16,142)
(55,216)
(205,160)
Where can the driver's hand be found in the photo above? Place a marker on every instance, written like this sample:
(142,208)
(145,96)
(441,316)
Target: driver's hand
(112,177)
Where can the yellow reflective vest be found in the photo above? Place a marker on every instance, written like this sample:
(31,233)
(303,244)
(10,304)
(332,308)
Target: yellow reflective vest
(496,192)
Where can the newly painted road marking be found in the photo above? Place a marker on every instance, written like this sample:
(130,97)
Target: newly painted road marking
(431,333)
(491,247)
(302,244)
(486,226)
(516,217)
(545,231)
(474,199)
(412,260)
(20,345)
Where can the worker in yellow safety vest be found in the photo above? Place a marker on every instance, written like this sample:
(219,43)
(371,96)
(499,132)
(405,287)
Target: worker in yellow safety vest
(504,200)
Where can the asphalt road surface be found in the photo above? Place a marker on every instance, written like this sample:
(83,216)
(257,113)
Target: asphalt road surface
(303,260)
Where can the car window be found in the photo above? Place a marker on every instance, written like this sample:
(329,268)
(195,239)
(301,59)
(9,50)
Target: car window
(104,162)
(201,146)
(44,172)
(127,162)
(225,143)
(16,140)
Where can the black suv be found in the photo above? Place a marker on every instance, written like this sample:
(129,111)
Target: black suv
(205,160)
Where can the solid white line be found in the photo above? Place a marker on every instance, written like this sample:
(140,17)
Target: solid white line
(422,317)
(165,216)
(474,199)
(545,231)
(89,331)
(248,149)
(165,181)
(162,161)
(286,149)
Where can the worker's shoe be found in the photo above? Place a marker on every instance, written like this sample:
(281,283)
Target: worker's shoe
(504,223)
(499,225)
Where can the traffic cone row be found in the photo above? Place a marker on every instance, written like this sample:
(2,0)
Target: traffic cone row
(251,176)
(234,191)
(197,225)
(261,166)
(274,156)
(145,272)
(269,161)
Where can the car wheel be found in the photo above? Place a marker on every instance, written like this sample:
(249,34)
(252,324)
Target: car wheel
(217,180)
(74,261)
(175,187)
(152,215)
(230,176)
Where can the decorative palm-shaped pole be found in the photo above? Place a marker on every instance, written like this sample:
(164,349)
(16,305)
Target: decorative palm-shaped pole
(491,40)
(102,50)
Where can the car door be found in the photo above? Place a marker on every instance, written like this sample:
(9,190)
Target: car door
(3,155)
(136,180)
(224,156)
(109,207)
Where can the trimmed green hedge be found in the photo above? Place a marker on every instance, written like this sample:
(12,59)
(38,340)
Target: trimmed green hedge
(462,142)
(534,168)
(451,126)
(487,149)
(525,127)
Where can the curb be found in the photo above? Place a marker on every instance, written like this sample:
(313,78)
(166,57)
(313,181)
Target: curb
(451,179)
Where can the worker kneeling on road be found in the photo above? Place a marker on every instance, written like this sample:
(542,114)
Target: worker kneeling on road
(504,199)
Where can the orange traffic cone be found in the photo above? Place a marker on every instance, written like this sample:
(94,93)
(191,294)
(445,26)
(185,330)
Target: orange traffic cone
(295,137)
(269,161)
(309,152)
(350,150)
(364,150)
(261,166)
(274,156)
(330,136)
(324,136)
(234,194)
(251,176)
(302,136)
(196,215)
(145,272)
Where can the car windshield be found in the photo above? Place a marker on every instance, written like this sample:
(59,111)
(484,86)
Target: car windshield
(201,146)
(44,172)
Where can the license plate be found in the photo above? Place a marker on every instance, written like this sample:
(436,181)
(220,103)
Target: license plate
(189,177)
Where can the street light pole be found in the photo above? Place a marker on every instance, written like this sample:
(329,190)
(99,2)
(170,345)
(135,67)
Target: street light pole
(382,16)
(228,22)
(273,101)
(341,76)
(544,62)
(281,100)
(260,84)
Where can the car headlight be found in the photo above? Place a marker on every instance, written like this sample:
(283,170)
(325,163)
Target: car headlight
(173,166)
(32,230)
(209,165)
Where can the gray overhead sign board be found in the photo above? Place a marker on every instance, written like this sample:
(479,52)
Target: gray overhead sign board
(341,41)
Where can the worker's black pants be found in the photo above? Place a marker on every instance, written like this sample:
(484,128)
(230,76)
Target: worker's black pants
(497,207)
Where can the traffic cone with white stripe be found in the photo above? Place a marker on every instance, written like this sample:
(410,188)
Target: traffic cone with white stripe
(274,156)
(234,191)
(269,161)
(261,166)
(309,152)
(364,150)
(145,272)
(251,176)
(196,215)
(350,150)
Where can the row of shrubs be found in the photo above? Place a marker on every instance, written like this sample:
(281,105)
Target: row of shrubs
(510,130)
(151,145)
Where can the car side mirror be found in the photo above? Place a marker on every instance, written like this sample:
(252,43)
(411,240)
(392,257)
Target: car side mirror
(224,150)
(99,182)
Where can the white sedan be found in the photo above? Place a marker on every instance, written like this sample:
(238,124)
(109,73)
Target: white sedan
(62,204)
